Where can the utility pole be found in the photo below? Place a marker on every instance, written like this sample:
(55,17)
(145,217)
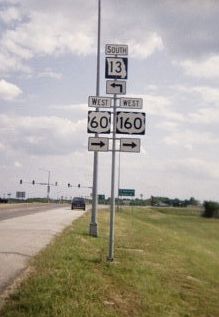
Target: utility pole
(93,223)
(48,182)
(48,186)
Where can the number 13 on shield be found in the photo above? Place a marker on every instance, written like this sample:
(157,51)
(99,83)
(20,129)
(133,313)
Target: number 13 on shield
(116,67)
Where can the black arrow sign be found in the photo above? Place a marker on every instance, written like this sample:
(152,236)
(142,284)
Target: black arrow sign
(100,144)
(130,144)
(114,85)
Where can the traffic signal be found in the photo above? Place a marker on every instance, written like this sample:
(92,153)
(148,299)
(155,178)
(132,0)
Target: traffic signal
(33,182)
(56,183)
(79,185)
(21,181)
(69,184)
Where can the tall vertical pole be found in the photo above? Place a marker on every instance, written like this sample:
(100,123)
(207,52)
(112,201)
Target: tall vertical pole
(48,186)
(118,204)
(93,223)
(112,207)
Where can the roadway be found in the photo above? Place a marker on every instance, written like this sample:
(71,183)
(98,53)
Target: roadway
(24,231)
(17,210)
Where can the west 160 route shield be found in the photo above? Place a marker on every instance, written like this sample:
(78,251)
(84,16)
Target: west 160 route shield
(130,122)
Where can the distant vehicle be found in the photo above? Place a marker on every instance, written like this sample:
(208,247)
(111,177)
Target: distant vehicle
(3,200)
(78,203)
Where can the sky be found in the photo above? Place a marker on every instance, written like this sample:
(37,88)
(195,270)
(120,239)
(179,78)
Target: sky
(48,71)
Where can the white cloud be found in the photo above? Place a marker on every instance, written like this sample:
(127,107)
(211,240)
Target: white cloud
(10,15)
(208,94)
(40,33)
(190,138)
(194,167)
(205,116)
(161,106)
(207,68)
(49,73)
(17,164)
(145,48)
(9,91)
(42,135)
(168,126)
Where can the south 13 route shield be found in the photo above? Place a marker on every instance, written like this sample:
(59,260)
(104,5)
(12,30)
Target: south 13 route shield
(116,67)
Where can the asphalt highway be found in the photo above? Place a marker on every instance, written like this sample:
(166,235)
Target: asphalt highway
(18,210)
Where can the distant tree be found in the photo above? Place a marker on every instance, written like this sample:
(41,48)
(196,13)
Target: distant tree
(193,201)
(176,202)
(211,209)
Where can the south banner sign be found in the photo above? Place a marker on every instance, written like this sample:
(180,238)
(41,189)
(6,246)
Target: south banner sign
(116,49)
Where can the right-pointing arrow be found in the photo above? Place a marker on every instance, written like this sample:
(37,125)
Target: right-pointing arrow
(100,144)
(130,144)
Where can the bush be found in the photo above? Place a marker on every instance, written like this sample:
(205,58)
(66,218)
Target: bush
(211,209)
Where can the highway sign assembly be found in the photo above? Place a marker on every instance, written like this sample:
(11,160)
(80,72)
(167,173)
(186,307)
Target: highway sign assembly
(116,87)
(116,67)
(99,102)
(130,145)
(126,192)
(130,122)
(123,122)
(99,122)
(116,49)
(98,144)
(131,103)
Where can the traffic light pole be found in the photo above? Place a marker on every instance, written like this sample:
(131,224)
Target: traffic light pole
(93,224)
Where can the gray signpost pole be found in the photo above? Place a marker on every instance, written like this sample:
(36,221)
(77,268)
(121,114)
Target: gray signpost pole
(93,223)
(112,208)
(48,186)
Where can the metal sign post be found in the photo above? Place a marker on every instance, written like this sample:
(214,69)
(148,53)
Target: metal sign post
(93,230)
(112,207)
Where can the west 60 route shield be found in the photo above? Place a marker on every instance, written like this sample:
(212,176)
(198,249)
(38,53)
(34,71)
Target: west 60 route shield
(130,122)
(99,122)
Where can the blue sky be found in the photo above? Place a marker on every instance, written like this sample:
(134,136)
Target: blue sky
(48,70)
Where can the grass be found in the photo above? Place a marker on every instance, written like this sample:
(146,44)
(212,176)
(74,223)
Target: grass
(166,265)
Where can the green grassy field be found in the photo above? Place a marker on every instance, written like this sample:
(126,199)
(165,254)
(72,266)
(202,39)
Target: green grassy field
(166,265)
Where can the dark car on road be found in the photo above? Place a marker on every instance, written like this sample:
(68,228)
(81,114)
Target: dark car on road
(78,203)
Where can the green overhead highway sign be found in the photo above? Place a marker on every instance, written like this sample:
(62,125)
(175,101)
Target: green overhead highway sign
(126,192)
